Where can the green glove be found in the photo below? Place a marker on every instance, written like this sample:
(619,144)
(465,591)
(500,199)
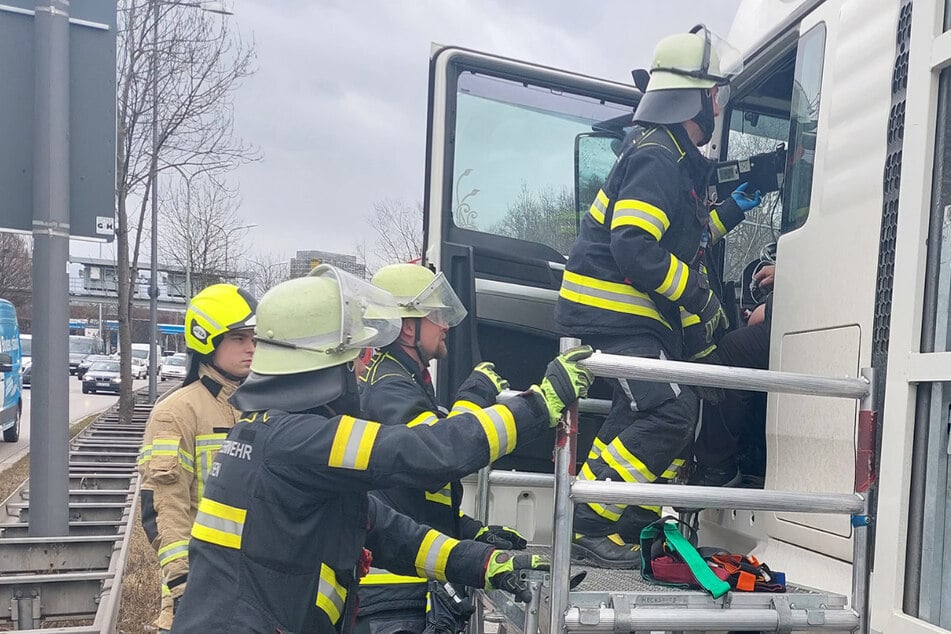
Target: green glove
(712,318)
(488,371)
(501,537)
(565,381)
(504,569)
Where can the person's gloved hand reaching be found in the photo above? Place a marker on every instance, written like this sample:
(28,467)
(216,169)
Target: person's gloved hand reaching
(503,572)
(744,200)
(565,381)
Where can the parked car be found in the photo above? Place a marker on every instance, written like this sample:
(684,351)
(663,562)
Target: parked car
(26,359)
(88,361)
(11,401)
(173,367)
(140,367)
(102,376)
(26,372)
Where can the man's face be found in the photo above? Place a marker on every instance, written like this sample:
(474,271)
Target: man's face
(233,354)
(432,337)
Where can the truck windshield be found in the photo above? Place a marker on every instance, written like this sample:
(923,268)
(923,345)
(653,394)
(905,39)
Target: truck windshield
(81,346)
(514,157)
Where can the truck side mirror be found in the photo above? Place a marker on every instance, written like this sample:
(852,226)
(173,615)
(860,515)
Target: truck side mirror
(6,362)
(595,154)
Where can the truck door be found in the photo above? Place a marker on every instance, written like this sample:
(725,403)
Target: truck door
(501,206)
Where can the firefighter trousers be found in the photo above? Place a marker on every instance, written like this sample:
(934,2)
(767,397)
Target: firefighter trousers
(647,436)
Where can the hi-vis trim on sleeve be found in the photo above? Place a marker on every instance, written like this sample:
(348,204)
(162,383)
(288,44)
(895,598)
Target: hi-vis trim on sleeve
(626,464)
(331,596)
(145,454)
(219,523)
(599,207)
(165,447)
(433,555)
(620,298)
(186,460)
(717,228)
(379,576)
(499,427)
(463,407)
(640,214)
(175,550)
(426,418)
(442,496)
(687,318)
(353,443)
(676,281)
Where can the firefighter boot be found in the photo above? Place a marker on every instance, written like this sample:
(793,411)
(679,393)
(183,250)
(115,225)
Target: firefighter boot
(725,475)
(606,552)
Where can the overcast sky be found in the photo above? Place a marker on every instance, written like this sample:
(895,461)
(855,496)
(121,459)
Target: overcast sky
(338,104)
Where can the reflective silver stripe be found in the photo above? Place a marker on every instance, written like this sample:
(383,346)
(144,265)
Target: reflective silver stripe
(623,298)
(678,280)
(219,523)
(172,553)
(211,322)
(643,216)
(353,443)
(614,460)
(210,443)
(433,559)
(186,460)
(332,592)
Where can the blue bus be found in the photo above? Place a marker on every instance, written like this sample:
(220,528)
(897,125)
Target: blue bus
(12,405)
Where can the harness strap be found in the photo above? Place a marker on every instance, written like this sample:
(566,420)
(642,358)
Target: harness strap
(698,567)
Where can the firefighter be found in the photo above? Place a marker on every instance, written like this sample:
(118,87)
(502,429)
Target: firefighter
(278,542)
(396,389)
(634,285)
(187,427)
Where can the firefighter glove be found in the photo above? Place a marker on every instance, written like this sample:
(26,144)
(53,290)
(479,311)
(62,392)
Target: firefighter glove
(712,318)
(744,200)
(501,537)
(487,371)
(565,381)
(504,572)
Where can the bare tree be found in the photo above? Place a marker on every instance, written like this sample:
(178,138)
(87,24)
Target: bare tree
(266,270)
(546,216)
(399,234)
(16,275)
(198,63)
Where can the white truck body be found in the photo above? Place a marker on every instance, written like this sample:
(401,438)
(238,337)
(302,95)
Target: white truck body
(862,88)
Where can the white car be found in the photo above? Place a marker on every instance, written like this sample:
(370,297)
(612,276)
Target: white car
(173,367)
(140,368)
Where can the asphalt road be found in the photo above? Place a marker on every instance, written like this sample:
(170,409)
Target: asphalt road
(80,406)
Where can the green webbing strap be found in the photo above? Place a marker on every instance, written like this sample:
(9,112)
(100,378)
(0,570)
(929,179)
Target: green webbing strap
(698,567)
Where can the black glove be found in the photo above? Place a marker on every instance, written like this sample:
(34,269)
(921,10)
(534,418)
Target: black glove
(501,537)
(712,318)
(448,609)
(504,570)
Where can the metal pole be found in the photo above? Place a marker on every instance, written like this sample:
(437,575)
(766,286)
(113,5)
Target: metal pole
(561,538)
(865,477)
(153,177)
(49,451)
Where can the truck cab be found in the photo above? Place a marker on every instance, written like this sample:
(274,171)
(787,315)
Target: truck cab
(515,155)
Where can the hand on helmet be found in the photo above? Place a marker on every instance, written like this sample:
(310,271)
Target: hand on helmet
(503,572)
(744,200)
(501,537)
(712,318)
(565,381)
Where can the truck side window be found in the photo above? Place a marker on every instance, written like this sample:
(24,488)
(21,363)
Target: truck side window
(803,125)
(513,165)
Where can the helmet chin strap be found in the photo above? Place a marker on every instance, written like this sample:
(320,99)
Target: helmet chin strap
(231,377)
(705,118)
(423,358)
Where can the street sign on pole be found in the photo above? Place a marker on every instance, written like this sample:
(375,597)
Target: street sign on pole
(92,117)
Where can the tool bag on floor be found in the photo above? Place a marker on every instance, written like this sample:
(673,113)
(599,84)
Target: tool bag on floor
(670,559)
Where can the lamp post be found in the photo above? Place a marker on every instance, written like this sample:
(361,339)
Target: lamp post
(228,233)
(211,7)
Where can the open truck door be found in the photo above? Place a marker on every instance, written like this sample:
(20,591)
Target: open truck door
(515,153)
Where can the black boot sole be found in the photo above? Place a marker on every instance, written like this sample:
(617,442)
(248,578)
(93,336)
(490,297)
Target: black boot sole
(582,555)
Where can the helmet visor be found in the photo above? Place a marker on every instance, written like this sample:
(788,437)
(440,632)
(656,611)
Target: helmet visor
(440,303)
(369,316)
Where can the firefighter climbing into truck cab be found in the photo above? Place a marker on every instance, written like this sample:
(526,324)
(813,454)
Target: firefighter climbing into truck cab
(634,284)
(280,539)
(187,427)
(396,389)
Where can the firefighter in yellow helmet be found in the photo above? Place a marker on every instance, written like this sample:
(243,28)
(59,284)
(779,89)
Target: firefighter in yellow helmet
(279,541)
(187,427)
(635,282)
(396,389)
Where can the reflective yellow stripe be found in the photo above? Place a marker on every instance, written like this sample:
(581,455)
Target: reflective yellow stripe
(145,454)
(173,551)
(186,460)
(629,467)
(717,229)
(642,215)
(673,469)
(599,206)
(388,578)
(426,418)
(443,496)
(463,406)
(166,592)
(165,447)
(353,443)
(249,419)
(596,448)
(614,296)
(500,431)
(210,442)
(219,523)
(676,280)
(687,318)
(433,555)
(206,447)
(331,596)
(610,512)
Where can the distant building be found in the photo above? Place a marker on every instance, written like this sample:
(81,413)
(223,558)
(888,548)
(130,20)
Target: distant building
(307,260)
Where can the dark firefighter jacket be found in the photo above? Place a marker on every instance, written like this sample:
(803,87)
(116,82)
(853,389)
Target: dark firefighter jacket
(633,268)
(285,516)
(393,391)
